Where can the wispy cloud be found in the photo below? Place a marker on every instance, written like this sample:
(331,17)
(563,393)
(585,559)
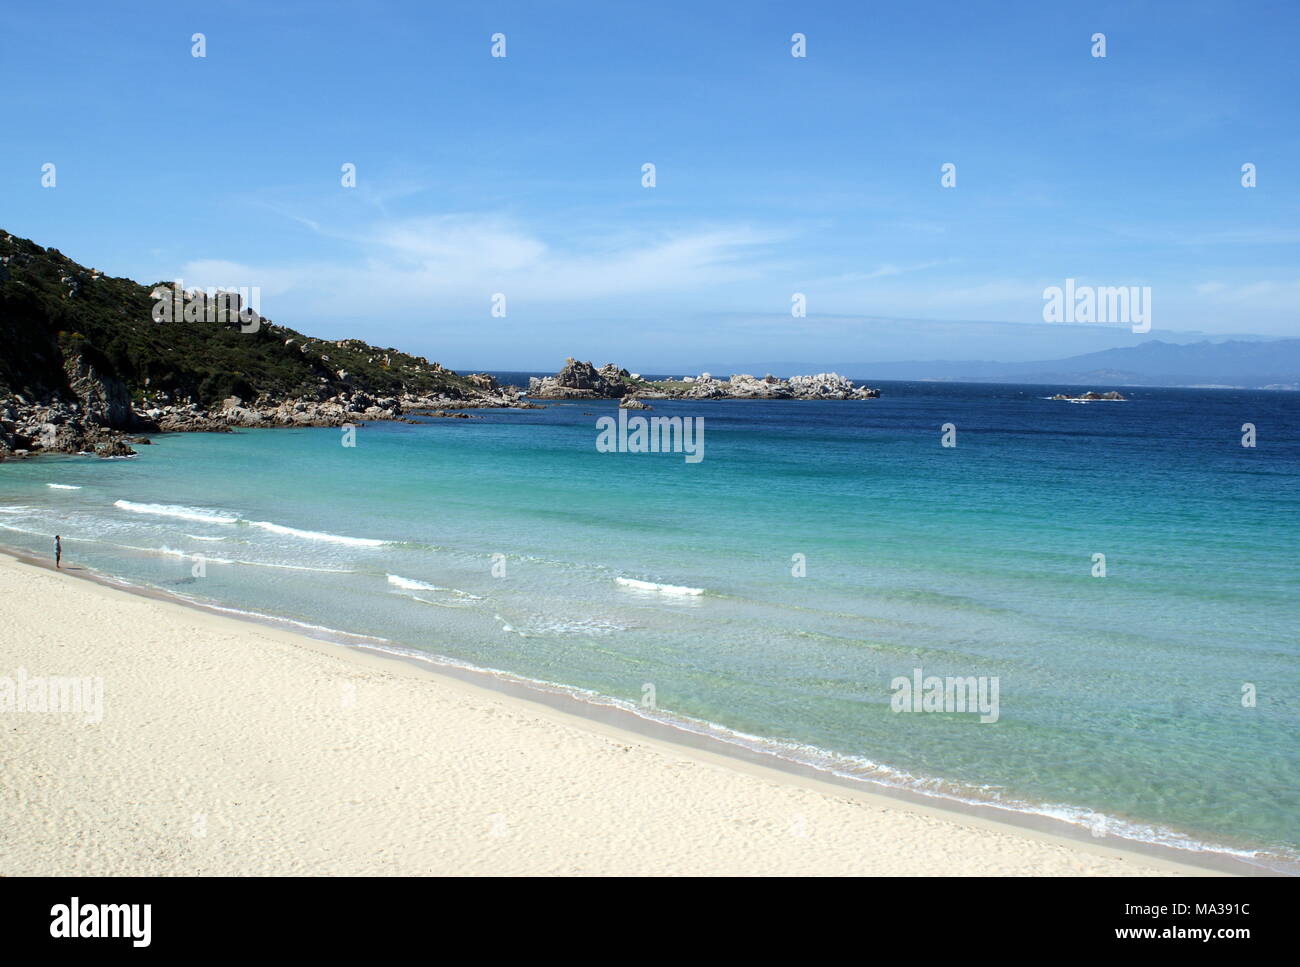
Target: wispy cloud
(461,260)
(887,271)
(1264,293)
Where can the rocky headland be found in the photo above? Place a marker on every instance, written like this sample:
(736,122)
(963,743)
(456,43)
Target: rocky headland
(90,364)
(86,367)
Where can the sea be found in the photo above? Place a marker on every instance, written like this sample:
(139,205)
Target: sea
(1121,580)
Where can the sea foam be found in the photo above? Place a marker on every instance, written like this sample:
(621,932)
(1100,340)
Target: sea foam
(659,588)
(409,584)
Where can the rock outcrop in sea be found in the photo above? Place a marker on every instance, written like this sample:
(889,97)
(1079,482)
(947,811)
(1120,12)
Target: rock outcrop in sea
(581,380)
(822,386)
(1090,396)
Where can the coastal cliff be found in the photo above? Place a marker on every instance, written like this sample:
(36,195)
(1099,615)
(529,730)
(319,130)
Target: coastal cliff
(85,365)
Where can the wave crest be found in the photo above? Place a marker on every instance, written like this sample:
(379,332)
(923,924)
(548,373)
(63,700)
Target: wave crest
(673,589)
(201,514)
(267,525)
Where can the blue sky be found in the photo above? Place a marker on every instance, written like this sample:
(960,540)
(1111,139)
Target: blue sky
(775,174)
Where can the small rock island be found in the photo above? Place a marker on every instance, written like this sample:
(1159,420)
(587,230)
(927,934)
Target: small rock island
(1091,396)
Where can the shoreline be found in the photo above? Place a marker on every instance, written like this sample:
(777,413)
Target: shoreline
(611,722)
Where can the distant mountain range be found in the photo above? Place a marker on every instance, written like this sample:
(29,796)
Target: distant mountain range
(1268,364)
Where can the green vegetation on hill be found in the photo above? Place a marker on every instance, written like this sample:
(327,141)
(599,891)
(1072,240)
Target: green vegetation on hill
(55,312)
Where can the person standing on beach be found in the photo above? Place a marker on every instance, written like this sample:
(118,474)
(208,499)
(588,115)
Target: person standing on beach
(58,552)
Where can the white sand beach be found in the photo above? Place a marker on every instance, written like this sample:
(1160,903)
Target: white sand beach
(228,747)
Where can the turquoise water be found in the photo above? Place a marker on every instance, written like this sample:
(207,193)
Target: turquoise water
(500,542)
